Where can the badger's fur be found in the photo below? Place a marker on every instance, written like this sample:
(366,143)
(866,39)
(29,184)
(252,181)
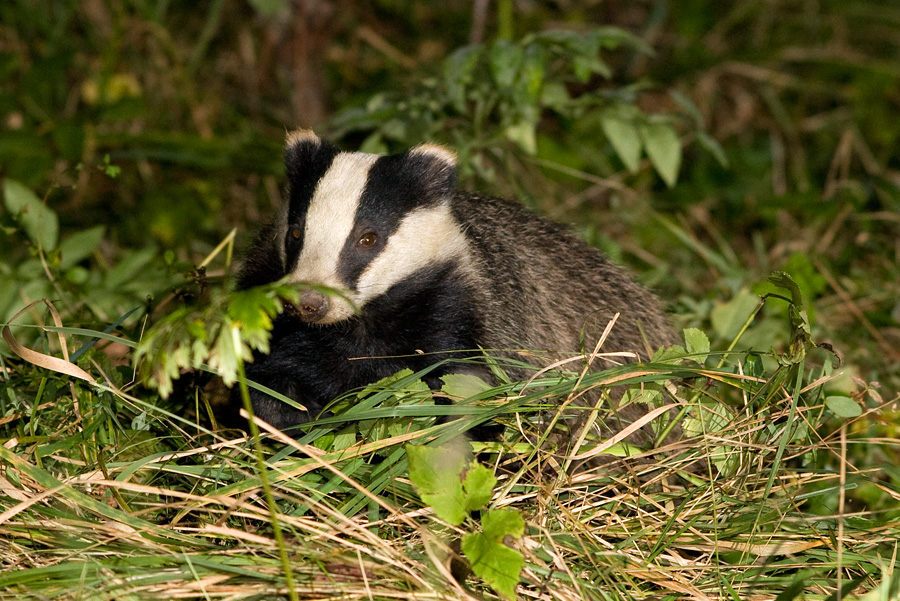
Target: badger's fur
(423,269)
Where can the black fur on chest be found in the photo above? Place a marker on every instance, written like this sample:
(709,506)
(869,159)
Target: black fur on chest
(416,323)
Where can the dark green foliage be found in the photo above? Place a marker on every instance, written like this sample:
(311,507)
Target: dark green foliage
(706,144)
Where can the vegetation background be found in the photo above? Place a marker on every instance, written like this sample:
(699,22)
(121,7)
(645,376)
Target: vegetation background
(705,144)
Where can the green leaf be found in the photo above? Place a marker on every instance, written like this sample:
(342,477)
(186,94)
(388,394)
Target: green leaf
(79,246)
(478,487)
(531,73)
(705,417)
(463,386)
(625,139)
(523,134)
(458,70)
(784,280)
(712,146)
(843,406)
(344,438)
(728,318)
(697,343)
(218,335)
(503,522)
(801,337)
(38,221)
(492,560)
(664,149)
(436,473)
(505,59)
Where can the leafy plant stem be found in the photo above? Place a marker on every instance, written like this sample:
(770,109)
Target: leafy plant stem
(263,477)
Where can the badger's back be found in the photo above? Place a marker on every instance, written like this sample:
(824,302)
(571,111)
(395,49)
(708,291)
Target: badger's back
(544,289)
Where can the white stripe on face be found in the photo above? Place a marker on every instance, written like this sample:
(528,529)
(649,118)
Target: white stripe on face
(426,236)
(329,222)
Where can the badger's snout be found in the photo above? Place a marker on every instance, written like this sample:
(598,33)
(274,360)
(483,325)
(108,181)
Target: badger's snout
(313,306)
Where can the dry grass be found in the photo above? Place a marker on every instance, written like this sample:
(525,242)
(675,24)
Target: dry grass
(87,521)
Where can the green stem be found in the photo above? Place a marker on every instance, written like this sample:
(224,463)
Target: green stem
(261,466)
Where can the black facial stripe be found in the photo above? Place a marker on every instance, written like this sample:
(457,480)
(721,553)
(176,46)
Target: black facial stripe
(396,185)
(306,162)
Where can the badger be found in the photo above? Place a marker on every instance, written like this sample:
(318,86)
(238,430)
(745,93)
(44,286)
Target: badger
(423,272)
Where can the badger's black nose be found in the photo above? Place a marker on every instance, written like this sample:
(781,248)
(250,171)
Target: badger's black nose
(313,306)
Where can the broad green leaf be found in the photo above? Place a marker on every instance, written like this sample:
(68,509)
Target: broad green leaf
(531,74)
(505,59)
(38,221)
(728,318)
(523,134)
(843,406)
(436,473)
(458,69)
(625,139)
(503,522)
(463,386)
(697,343)
(79,246)
(495,563)
(705,417)
(492,560)
(664,149)
(478,486)
(344,438)
(131,266)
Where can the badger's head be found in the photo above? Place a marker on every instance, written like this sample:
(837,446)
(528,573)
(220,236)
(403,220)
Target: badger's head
(361,223)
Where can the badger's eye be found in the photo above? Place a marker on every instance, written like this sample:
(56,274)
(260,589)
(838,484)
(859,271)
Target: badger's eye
(295,233)
(368,240)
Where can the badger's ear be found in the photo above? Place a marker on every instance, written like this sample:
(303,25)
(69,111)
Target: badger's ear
(304,150)
(435,167)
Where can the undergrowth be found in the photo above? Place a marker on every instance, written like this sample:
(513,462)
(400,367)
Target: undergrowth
(108,496)
(706,147)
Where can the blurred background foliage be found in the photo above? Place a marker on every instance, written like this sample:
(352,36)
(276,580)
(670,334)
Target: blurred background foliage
(152,128)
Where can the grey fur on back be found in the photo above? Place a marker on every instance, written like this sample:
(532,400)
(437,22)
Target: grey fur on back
(547,290)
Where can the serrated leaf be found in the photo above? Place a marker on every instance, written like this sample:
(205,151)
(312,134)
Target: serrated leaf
(503,522)
(38,221)
(463,386)
(697,343)
(478,487)
(843,406)
(705,417)
(436,474)
(209,335)
(650,393)
(625,139)
(491,560)
(669,353)
(495,563)
(664,149)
